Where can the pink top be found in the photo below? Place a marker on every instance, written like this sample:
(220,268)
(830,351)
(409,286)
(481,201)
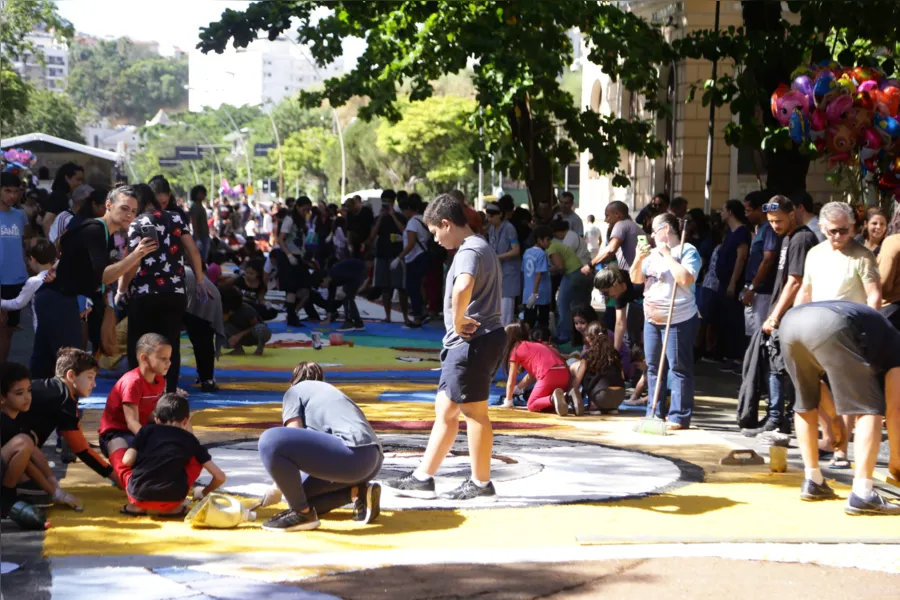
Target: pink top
(536,358)
(213,272)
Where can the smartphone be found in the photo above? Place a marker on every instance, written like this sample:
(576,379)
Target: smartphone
(642,241)
(149,231)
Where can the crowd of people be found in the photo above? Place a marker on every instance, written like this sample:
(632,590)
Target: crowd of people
(119,274)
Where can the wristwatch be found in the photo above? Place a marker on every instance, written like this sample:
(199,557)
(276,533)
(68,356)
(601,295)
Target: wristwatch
(749,287)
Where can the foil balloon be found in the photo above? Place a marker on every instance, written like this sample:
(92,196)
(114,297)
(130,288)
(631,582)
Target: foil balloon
(799,127)
(804,85)
(824,84)
(838,109)
(887,101)
(817,120)
(846,85)
(778,99)
(888,82)
(839,141)
(789,103)
(865,100)
(867,86)
(859,119)
(865,74)
(887,127)
(870,144)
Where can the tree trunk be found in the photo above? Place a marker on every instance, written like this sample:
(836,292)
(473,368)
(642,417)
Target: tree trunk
(538,169)
(786,170)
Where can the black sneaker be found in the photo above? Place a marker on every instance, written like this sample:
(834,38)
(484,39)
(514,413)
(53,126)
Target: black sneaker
(411,487)
(346,327)
(294,321)
(368,505)
(812,491)
(291,520)
(469,490)
(209,387)
(873,505)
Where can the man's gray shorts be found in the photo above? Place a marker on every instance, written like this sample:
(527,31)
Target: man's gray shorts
(817,342)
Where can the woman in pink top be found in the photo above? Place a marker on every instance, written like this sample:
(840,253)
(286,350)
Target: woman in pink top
(544,366)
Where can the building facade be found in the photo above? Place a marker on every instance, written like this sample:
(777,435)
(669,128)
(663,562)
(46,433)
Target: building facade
(682,170)
(48,66)
(261,74)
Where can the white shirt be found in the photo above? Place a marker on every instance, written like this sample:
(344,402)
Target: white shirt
(592,239)
(573,241)
(60,224)
(251,228)
(267,226)
(417,226)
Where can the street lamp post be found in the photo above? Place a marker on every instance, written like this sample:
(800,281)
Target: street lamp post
(208,142)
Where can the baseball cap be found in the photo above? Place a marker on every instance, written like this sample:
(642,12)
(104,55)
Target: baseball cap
(492,207)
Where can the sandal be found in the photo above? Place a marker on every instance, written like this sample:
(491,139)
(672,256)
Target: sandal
(839,462)
(125,511)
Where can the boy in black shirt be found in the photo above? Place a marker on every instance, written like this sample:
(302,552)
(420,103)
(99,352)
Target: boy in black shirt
(167,459)
(54,406)
(350,274)
(242,324)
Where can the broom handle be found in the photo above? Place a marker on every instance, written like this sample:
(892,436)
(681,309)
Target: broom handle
(662,359)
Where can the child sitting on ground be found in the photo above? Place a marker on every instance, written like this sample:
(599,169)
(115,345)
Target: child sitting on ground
(598,375)
(544,367)
(165,459)
(54,406)
(242,324)
(349,274)
(640,364)
(19,450)
(133,399)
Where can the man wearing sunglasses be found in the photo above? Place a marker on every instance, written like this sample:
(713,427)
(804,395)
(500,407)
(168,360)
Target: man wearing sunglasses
(762,262)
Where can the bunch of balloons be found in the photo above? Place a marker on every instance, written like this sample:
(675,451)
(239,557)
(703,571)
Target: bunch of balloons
(231,192)
(850,114)
(16,160)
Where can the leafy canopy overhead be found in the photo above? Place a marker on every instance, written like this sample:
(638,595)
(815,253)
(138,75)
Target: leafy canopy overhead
(518,51)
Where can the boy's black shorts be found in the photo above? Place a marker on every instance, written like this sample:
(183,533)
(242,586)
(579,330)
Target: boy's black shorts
(468,370)
(11,292)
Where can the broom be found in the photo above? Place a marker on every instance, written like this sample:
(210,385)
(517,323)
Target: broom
(651,424)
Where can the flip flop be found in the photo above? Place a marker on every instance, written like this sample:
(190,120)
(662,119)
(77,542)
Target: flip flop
(124,510)
(839,463)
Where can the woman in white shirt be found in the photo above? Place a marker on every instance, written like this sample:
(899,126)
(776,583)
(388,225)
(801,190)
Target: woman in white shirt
(415,255)
(670,264)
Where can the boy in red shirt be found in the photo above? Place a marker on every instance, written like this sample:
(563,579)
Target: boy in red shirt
(133,399)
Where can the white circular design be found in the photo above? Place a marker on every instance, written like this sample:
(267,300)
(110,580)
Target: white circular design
(526,471)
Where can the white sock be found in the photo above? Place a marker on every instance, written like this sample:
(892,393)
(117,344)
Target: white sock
(421,475)
(815,475)
(481,484)
(863,487)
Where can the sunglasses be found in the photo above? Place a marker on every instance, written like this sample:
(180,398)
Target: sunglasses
(837,231)
(770,207)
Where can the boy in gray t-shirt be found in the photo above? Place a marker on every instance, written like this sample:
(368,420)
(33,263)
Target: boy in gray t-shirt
(474,346)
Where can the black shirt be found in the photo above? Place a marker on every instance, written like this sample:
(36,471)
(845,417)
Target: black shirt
(52,408)
(84,255)
(359,226)
(348,271)
(250,293)
(878,340)
(10,428)
(243,318)
(631,294)
(160,272)
(163,451)
(389,243)
(56,203)
(792,258)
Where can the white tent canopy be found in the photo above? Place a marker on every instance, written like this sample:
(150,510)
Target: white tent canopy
(32,138)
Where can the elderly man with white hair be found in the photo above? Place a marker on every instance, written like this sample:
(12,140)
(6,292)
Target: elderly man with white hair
(840,268)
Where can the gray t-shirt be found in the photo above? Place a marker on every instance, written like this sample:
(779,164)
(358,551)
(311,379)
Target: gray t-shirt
(575,224)
(324,408)
(501,240)
(627,231)
(476,258)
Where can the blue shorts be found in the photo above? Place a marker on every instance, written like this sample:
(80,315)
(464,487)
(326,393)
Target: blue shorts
(467,371)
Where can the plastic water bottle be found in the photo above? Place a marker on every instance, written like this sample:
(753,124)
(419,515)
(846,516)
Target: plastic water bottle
(28,516)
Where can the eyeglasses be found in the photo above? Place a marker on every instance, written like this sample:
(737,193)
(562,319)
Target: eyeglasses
(770,207)
(838,231)
(658,229)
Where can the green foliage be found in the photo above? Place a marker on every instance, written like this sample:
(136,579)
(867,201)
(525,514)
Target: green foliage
(519,50)
(18,18)
(48,112)
(305,154)
(121,80)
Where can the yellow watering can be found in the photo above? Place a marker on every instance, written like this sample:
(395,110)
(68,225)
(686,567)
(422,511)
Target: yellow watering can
(219,511)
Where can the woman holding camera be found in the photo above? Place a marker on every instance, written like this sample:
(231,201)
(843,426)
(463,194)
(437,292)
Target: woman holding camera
(156,287)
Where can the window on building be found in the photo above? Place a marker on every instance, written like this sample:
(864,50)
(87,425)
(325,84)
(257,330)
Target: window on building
(268,74)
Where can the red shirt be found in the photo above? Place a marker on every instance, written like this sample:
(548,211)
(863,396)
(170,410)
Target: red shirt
(132,388)
(536,358)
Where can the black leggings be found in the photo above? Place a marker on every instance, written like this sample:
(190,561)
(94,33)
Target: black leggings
(203,339)
(162,314)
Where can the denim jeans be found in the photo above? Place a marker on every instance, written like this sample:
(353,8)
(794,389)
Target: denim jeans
(415,273)
(203,248)
(679,372)
(574,290)
(776,398)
